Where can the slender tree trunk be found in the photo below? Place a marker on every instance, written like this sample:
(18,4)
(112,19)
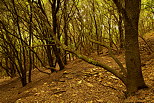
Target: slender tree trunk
(110,35)
(135,79)
(65,30)
(56,50)
(30,42)
(49,56)
(96,26)
(97,35)
(22,55)
(121,32)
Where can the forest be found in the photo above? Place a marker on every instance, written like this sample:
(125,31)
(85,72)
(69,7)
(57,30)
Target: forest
(76,51)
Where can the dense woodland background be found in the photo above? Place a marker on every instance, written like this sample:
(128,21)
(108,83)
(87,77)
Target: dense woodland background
(50,33)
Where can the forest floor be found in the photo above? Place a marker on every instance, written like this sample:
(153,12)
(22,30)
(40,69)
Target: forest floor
(80,82)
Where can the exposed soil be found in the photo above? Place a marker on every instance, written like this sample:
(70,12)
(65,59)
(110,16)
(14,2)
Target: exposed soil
(80,82)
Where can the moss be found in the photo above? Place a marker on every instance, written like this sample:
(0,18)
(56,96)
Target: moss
(3,73)
(90,60)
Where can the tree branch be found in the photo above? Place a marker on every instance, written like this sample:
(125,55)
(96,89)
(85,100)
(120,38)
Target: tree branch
(91,61)
(123,70)
(96,63)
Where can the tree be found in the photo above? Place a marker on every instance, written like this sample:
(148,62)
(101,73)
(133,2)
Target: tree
(55,8)
(16,39)
(45,27)
(146,22)
(134,77)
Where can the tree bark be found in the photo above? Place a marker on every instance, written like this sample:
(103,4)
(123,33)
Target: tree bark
(56,49)
(65,30)
(30,43)
(49,56)
(121,37)
(135,79)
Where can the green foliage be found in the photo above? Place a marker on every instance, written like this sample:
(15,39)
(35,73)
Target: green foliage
(3,73)
(96,19)
(148,5)
(146,17)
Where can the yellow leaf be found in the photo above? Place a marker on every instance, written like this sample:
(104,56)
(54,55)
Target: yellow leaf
(89,84)
(79,82)
(89,102)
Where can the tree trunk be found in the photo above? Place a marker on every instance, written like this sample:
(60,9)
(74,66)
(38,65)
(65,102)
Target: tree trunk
(121,32)
(30,43)
(56,49)
(50,57)
(65,30)
(23,80)
(109,31)
(135,79)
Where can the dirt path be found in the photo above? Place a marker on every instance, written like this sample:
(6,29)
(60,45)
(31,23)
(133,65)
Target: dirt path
(79,83)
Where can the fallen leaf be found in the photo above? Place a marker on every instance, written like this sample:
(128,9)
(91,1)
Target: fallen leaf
(89,84)
(74,94)
(65,72)
(89,102)
(42,91)
(109,83)
(79,82)
(56,95)
(113,77)
(45,83)
(100,100)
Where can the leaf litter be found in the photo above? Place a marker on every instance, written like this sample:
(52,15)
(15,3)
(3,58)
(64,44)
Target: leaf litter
(80,82)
